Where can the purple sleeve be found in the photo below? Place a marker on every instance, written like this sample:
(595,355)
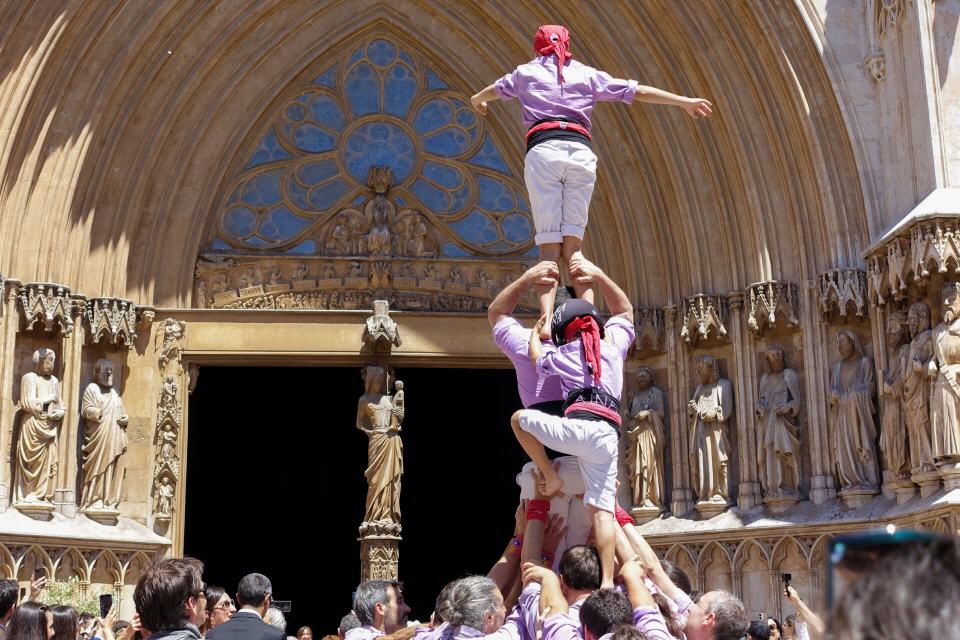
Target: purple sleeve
(606,88)
(621,334)
(561,627)
(683,603)
(650,623)
(506,87)
(512,628)
(511,338)
(545,363)
(529,606)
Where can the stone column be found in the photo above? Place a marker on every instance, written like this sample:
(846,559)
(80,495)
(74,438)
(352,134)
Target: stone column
(748,491)
(816,365)
(65,496)
(677,375)
(8,403)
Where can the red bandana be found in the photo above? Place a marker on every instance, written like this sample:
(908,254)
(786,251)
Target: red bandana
(587,330)
(553,39)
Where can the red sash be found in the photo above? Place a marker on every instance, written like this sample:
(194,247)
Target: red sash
(559,124)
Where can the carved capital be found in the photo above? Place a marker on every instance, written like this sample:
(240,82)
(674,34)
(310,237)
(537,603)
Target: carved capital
(703,318)
(111,320)
(842,293)
(48,305)
(379,559)
(876,66)
(772,304)
(649,323)
(380,330)
(145,317)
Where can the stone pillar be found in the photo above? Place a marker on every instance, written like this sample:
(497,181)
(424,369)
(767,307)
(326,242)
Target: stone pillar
(748,491)
(65,496)
(379,557)
(8,403)
(677,375)
(816,365)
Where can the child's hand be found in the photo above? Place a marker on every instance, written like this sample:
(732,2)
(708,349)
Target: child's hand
(546,272)
(696,108)
(480,106)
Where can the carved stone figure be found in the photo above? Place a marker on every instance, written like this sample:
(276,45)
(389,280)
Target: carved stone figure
(710,408)
(356,270)
(916,388)
(429,272)
(42,410)
(778,447)
(418,237)
(329,273)
(379,417)
(299,272)
(338,242)
(852,428)
(893,433)
(105,440)
(166,444)
(945,368)
(165,491)
(378,239)
(645,441)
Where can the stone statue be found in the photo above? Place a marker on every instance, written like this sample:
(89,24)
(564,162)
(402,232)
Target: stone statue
(164,496)
(166,443)
(710,408)
(105,440)
(852,430)
(299,271)
(338,243)
(329,273)
(378,239)
(778,447)
(944,368)
(418,241)
(893,433)
(42,411)
(916,388)
(379,417)
(645,441)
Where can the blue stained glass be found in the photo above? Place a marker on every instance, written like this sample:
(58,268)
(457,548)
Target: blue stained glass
(313,139)
(443,175)
(398,91)
(327,78)
(466,118)
(453,250)
(379,144)
(257,241)
(356,56)
(406,57)
(533,253)
(494,195)
(433,115)
(306,248)
(263,189)
(522,203)
(296,112)
(239,222)
(298,194)
(500,247)
(381,52)
(268,150)
(234,196)
(220,245)
(476,228)
(435,199)
(316,172)
(400,201)
(516,228)
(361,199)
(327,195)
(489,156)
(281,224)
(363,90)
(460,198)
(325,111)
(448,143)
(434,82)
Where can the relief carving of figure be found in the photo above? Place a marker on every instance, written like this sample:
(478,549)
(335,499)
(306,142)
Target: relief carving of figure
(378,239)
(418,237)
(429,272)
(248,278)
(299,272)
(329,273)
(456,275)
(42,410)
(379,416)
(338,242)
(778,454)
(358,241)
(852,429)
(356,270)
(645,441)
(944,368)
(710,408)
(164,496)
(916,388)
(893,432)
(105,440)
(166,443)
(276,275)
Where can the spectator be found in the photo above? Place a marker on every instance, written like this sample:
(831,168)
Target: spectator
(776,631)
(476,607)
(253,595)
(170,598)
(119,628)
(806,620)
(31,621)
(759,630)
(275,618)
(219,608)
(347,623)
(306,633)
(9,589)
(380,608)
(66,622)
(87,625)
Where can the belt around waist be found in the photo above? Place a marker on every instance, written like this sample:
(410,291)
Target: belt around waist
(593,402)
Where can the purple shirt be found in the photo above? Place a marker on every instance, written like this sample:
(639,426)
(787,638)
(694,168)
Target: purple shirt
(568,363)
(529,605)
(514,341)
(512,629)
(365,632)
(649,621)
(561,627)
(542,96)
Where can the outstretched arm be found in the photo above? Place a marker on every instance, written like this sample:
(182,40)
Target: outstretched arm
(617,301)
(695,107)
(480,100)
(545,272)
(505,568)
(805,612)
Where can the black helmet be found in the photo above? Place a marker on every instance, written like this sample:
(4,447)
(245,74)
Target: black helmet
(569,311)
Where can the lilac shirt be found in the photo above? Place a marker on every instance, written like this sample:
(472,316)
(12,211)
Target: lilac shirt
(514,341)
(365,632)
(512,629)
(541,95)
(529,605)
(568,363)
(649,621)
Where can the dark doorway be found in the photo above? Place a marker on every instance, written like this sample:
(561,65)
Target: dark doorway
(274,485)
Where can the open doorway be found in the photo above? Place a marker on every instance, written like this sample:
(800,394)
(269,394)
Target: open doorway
(275,484)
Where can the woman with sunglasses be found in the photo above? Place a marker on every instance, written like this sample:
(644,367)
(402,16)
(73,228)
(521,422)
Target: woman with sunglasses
(220,608)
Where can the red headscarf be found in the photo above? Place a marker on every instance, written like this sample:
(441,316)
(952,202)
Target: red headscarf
(553,39)
(588,331)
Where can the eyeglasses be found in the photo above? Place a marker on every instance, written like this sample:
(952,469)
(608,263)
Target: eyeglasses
(225,605)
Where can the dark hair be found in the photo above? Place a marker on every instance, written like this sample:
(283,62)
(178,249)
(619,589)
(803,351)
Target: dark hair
(66,622)
(442,607)
(669,618)
(776,622)
(759,630)
(369,595)
(628,632)
(162,593)
(580,568)
(85,617)
(8,595)
(213,593)
(28,622)
(119,626)
(304,628)
(677,576)
(604,610)
(347,622)
(253,588)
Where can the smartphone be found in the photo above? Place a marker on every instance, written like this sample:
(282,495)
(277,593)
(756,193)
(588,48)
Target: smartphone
(785,578)
(283,605)
(38,573)
(106,603)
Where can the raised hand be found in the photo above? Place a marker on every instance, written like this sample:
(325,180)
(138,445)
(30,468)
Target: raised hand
(698,108)
(546,272)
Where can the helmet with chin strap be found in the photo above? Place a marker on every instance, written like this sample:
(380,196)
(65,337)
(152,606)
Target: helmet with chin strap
(569,311)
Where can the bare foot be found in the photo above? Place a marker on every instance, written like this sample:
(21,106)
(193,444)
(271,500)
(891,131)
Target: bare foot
(552,486)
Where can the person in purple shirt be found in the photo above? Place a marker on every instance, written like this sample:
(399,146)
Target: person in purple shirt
(557,95)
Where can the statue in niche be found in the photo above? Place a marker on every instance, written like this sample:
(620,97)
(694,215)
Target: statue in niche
(378,239)
(893,433)
(299,272)
(358,241)
(853,432)
(916,388)
(944,368)
(276,275)
(166,443)
(379,416)
(645,441)
(329,273)
(778,454)
(105,440)
(710,408)
(338,242)
(164,496)
(418,244)
(429,272)
(356,269)
(42,410)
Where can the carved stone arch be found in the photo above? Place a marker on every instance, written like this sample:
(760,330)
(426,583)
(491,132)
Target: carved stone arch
(781,548)
(108,566)
(681,556)
(936,525)
(71,563)
(715,568)
(6,563)
(134,567)
(741,554)
(33,557)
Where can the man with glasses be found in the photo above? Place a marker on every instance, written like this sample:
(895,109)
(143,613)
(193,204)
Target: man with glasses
(254,595)
(170,599)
